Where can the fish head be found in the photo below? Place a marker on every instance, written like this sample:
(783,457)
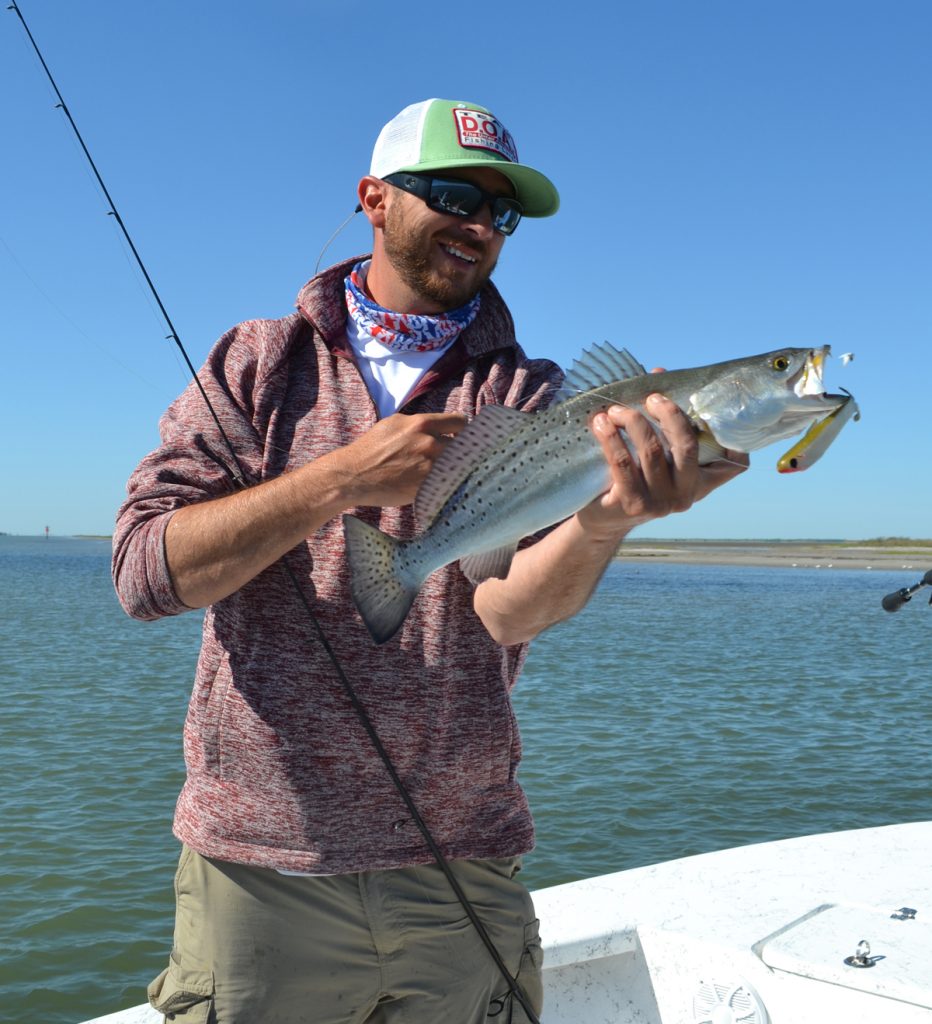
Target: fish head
(752,402)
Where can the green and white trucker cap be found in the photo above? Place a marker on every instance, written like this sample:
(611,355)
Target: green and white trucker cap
(440,135)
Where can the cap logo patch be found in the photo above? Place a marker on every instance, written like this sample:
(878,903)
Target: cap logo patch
(478,130)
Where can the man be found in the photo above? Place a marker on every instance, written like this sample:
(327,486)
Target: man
(305,890)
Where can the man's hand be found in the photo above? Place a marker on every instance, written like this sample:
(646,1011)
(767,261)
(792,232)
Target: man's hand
(553,579)
(647,483)
(387,465)
(216,547)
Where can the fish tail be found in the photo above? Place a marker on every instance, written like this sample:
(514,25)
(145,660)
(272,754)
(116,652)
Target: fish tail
(381,594)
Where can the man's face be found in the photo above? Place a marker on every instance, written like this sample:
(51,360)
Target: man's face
(444,260)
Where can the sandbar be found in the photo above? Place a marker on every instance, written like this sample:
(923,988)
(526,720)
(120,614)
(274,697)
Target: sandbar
(803,554)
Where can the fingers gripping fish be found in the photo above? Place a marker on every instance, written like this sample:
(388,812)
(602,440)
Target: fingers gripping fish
(509,474)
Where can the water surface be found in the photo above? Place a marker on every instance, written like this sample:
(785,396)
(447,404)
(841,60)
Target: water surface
(689,708)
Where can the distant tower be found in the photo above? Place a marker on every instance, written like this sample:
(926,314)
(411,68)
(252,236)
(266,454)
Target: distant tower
(46,533)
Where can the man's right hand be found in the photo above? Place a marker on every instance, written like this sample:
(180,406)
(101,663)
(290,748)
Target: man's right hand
(386,466)
(216,547)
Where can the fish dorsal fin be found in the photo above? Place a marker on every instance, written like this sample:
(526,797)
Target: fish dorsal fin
(600,365)
(461,456)
(486,564)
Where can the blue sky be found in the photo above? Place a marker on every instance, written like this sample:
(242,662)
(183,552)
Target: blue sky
(735,177)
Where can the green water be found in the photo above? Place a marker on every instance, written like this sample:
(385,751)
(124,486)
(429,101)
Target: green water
(688,709)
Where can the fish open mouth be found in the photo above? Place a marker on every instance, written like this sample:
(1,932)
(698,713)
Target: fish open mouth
(809,379)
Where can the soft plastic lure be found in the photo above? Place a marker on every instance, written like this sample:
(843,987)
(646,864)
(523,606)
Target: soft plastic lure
(815,442)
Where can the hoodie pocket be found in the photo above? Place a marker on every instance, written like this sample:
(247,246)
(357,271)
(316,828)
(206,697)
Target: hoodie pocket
(206,715)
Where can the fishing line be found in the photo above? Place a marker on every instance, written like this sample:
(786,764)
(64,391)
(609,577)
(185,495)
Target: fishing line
(141,284)
(237,474)
(68,320)
(333,236)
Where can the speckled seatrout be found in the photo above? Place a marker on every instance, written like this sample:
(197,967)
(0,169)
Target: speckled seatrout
(509,474)
(815,442)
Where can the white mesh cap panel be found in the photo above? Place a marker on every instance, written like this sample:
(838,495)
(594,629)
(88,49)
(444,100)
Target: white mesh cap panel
(399,142)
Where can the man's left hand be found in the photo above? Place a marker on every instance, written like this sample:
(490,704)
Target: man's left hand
(649,482)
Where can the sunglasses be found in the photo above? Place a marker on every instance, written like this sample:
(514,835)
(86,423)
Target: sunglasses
(459,198)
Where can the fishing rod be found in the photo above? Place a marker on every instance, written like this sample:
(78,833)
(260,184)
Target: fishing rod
(895,601)
(238,476)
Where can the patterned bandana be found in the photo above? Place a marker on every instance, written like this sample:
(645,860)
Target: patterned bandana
(403,332)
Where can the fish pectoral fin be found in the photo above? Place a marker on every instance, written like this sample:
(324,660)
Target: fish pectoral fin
(709,449)
(487,564)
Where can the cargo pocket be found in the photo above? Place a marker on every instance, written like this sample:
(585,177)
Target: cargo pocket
(529,972)
(182,994)
(529,979)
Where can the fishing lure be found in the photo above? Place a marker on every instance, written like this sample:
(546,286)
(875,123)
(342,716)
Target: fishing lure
(815,442)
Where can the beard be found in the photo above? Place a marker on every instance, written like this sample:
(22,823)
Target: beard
(409,252)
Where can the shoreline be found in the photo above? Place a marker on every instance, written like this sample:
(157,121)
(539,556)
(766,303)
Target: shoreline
(906,555)
(786,554)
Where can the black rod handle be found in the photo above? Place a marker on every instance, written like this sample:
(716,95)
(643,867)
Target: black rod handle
(895,601)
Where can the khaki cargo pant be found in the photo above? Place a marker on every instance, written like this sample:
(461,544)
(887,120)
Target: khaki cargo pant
(253,946)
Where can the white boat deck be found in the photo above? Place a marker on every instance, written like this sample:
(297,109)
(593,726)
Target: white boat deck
(752,935)
(766,927)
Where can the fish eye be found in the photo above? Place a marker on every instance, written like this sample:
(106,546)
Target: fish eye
(780,363)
